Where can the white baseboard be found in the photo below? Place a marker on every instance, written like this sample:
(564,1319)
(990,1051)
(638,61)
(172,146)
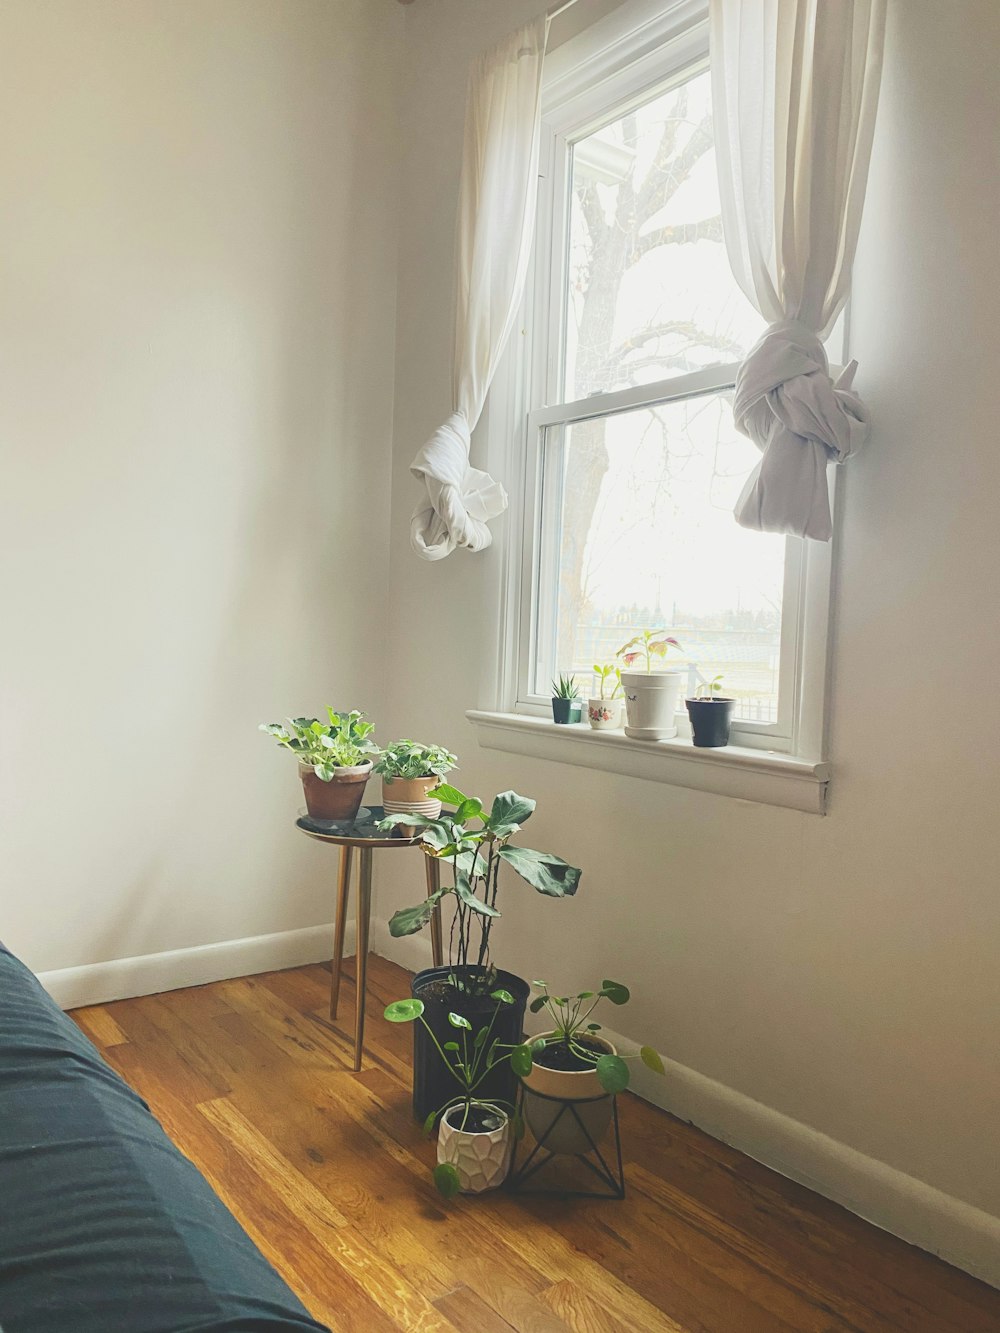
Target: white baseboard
(916,1212)
(147,974)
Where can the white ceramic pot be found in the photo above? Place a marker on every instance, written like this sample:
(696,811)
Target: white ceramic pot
(604,714)
(408,796)
(651,699)
(566,1131)
(481,1160)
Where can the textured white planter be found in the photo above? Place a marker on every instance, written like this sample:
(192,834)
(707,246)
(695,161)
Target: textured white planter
(565,1134)
(481,1160)
(651,699)
(604,714)
(408,796)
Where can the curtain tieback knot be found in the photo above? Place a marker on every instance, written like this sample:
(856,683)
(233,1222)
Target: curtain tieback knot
(800,419)
(460,499)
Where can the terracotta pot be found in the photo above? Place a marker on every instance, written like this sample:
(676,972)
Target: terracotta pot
(582,1085)
(481,1160)
(408,796)
(341,797)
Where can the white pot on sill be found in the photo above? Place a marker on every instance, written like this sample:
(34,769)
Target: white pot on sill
(604,714)
(651,699)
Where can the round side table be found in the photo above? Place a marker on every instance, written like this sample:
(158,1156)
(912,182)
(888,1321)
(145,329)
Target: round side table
(365,836)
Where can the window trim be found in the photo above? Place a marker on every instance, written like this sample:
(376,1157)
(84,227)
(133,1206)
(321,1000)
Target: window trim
(633,52)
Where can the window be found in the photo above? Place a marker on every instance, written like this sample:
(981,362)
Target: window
(631,462)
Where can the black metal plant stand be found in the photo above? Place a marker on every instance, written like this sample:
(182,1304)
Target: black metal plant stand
(592,1159)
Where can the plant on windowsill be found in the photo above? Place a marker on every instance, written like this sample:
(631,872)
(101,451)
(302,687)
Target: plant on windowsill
(475,844)
(711,715)
(573,1063)
(567,706)
(604,711)
(409,771)
(335,760)
(650,696)
(477,1133)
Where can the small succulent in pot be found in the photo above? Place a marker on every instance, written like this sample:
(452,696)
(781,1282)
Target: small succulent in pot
(567,705)
(604,710)
(335,760)
(409,770)
(476,1135)
(711,715)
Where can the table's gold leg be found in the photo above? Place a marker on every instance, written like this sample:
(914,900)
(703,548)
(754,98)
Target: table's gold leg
(361,957)
(340,925)
(432,868)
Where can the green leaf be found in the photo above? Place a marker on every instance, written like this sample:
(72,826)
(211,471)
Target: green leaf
(615,992)
(448,795)
(521,1061)
(537,1004)
(410,821)
(472,808)
(517,1125)
(586,995)
(502,996)
(612,1071)
(652,1059)
(593,1027)
(408,920)
(446,1179)
(463,888)
(537,1046)
(429,1123)
(548,874)
(459,1021)
(481,1036)
(324,771)
(509,808)
(404,1011)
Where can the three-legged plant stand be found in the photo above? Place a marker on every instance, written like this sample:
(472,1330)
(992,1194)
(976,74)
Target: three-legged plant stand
(593,1159)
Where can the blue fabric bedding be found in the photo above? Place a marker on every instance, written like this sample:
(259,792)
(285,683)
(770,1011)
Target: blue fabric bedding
(104,1226)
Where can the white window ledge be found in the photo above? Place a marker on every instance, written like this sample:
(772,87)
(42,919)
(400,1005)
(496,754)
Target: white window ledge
(745,774)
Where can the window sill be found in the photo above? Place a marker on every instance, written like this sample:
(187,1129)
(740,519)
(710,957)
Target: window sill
(745,774)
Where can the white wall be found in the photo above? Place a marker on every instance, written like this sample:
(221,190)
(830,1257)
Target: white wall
(841,971)
(197,288)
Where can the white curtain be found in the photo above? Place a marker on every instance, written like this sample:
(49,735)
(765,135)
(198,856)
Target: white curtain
(496,221)
(795,89)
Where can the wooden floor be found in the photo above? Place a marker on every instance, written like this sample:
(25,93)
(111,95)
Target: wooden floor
(328,1173)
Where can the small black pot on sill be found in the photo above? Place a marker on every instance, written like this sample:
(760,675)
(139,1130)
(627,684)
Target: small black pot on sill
(710,721)
(433,1084)
(566,711)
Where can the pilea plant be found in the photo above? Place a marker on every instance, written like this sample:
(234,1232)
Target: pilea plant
(409,759)
(609,680)
(469,1059)
(474,843)
(649,644)
(342,742)
(570,1029)
(564,687)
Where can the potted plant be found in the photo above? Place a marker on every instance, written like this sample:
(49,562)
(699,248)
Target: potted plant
(604,713)
(474,843)
(571,1062)
(476,1135)
(409,770)
(567,705)
(335,760)
(650,696)
(711,715)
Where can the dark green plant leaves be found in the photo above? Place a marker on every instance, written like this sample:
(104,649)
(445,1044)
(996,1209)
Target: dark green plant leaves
(408,920)
(612,1072)
(451,1046)
(429,1123)
(448,794)
(652,1060)
(502,996)
(548,874)
(463,888)
(508,812)
(404,1011)
(537,1003)
(459,1021)
(521,1060)
(615,992)
(446,1179)
(471,808)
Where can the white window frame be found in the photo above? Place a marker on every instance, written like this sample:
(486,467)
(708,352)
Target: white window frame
(639,49)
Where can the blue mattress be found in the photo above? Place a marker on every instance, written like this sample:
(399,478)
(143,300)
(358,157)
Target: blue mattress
(104,1226)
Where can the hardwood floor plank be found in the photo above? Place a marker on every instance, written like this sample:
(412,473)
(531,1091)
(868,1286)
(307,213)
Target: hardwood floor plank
(466,1311)
(100,1027)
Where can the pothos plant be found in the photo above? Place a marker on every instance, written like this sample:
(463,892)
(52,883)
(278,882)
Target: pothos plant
(475,844)
(649,644)
(341,742)
(409,759)
(469,1059)
(570,1029)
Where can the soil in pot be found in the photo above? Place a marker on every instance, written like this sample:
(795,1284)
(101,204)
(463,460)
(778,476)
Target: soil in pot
(340,798)
(711,720)
(560,1076)
(433,1082)
(477,1120)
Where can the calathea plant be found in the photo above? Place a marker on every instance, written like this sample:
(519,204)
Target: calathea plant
(475,843)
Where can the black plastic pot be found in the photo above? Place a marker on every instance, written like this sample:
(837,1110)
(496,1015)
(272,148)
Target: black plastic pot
(433,1084)
(567,710)
(710,721)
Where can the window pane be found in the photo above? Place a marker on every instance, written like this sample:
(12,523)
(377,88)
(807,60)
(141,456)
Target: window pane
(638,532)
(650,293)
